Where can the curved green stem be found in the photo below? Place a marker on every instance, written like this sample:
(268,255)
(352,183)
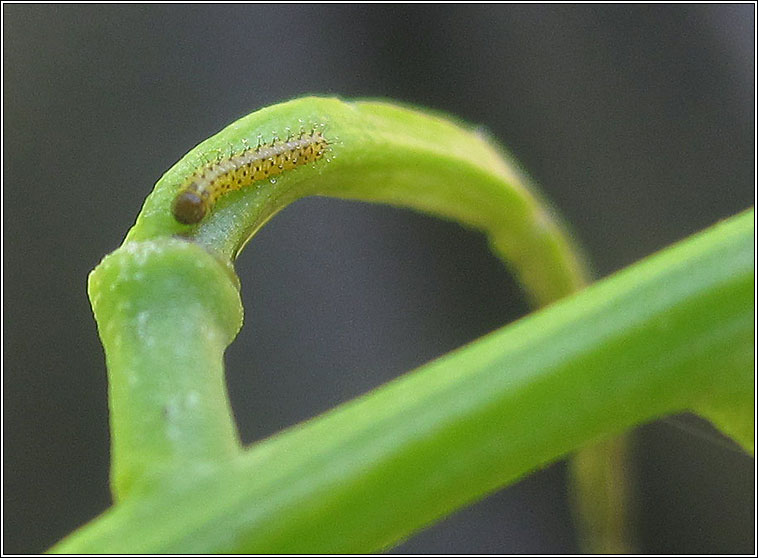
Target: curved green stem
(167,305)
(378,152)
(381,152)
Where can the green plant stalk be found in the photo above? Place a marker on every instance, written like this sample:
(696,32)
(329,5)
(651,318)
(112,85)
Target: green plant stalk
(166,312)
(602,498)
(672,333)
(379,152)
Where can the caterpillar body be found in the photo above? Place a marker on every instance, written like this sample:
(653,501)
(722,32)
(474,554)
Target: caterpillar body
(211,181)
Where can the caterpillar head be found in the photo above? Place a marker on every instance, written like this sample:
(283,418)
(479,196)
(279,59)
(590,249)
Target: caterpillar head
(188,207)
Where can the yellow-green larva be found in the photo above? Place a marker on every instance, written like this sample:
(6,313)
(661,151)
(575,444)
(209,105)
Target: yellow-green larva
(212,180)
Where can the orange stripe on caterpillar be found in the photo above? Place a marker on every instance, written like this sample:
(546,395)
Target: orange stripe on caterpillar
(213,180)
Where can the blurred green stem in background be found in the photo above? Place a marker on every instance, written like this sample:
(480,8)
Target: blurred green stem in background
(672,333)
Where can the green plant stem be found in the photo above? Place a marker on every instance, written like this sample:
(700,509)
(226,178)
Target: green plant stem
(164,346)
(379,152)
(672,333)
(601,479)
(165,314)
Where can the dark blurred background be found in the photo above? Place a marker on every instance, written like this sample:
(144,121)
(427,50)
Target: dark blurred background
(636,120)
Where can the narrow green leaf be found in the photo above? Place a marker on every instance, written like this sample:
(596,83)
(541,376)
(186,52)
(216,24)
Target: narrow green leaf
(674,332)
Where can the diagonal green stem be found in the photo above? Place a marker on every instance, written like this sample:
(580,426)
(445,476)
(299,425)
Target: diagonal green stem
(672,333)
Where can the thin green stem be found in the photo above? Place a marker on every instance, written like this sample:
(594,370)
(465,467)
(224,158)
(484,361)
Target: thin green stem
(672,333)
(378,152)
(381,152)
(601,477)
(165,311)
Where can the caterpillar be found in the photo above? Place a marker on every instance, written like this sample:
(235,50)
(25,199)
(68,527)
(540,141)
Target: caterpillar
(201,191)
